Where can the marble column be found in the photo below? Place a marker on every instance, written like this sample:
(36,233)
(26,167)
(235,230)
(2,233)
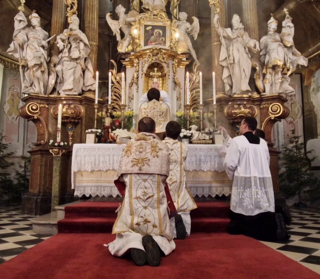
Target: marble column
(58,22)
(91,27)
(216,43)
(250,18)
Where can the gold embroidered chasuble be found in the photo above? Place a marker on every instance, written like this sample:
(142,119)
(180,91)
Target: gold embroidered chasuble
(182,199)
(144,168)
(158,111)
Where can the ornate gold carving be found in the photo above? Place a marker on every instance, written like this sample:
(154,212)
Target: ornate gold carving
(194,87)
(236,112)
(57,152)
(71,113)
(21,7)
(7,62)
(216,4)
(32,112)
(72,8)
(276,110)
(116,88)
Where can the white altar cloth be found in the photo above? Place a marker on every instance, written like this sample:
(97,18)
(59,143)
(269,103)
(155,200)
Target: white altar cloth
(95,165)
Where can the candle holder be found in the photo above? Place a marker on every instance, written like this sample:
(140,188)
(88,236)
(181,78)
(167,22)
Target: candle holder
(96,106)
(187,109)
(123,107)
(201,117)
(215,116)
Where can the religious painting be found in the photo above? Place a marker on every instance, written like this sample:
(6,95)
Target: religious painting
(312,117)
(155,35)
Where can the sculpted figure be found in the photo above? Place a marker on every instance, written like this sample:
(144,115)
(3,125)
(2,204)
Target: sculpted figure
(153,5)
(235,55)
(124,24)
(30,46)
(74,68)
(184,27)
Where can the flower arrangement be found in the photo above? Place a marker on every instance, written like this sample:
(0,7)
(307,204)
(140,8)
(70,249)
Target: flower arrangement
(185,134)
(194,117)
(181,118)
(116,114)
(128,119)
(57,144)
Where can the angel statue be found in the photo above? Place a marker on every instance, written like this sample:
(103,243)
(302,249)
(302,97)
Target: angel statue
(154,5)
(30,46)
(184,43)
(125,24)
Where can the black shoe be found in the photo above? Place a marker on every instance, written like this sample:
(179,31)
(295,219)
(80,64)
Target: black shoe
(285,211)
(152,250)
(281,227)
(138,256)
(180,227)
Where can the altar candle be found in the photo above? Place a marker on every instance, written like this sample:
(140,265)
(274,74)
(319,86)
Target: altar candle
(214,87)
(188,92)
(59,123)
(97,87)
(200,88)
(109,91)
(122,88)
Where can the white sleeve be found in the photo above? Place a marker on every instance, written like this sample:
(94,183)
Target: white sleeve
(165,97)
(143,99)
(231,160)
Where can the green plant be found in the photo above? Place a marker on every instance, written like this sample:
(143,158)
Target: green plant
(296,177)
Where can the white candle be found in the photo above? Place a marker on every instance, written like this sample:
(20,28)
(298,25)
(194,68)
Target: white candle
(200,88)
(59,123)
(97,87)
(214,87)
(109,91)
(187,87)
(122,88)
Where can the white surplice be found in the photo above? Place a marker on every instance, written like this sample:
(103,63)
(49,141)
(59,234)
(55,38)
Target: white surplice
(181,197)
(248,165)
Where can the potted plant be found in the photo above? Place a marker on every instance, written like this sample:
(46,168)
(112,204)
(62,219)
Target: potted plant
(296,177)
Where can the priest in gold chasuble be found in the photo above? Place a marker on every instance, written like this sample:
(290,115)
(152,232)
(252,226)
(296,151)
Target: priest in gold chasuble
(144,168)
(156,109)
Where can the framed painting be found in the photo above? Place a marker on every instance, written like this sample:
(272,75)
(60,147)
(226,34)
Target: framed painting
(155,34)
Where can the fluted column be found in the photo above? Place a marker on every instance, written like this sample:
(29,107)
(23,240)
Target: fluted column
(57,22)
(217,6)
(250,18)
(91,28)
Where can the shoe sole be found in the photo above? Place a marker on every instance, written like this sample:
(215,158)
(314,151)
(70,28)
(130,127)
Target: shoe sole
(153,255)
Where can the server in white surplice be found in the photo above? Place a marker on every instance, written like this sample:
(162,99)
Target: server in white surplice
(252,197)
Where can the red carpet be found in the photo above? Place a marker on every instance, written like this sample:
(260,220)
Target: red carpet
(216,255)
(99,217)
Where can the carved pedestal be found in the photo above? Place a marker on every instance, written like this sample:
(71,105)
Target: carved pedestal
(46,171)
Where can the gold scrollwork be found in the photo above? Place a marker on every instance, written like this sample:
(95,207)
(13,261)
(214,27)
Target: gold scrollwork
(237,112)
(194,87)
(72,8)
(216,4)
(275,110)
(57,152)
(116,88)
(71,113)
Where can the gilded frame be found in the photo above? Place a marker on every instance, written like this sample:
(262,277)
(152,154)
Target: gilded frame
(155,33)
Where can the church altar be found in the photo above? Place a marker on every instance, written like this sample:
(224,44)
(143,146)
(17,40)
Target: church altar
(94,168)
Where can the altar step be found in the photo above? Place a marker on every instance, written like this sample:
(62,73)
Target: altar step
(99,217)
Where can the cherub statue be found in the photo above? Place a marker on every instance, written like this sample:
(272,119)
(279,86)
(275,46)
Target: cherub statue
(73,66)
(154,5)
(184,27)
(125,24)
(30,46)
(235,56)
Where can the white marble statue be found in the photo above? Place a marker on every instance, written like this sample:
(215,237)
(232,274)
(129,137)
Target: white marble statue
(30,46)
(185,28)
(73,66)
(235,56)
(154,5)
(197,135)
(278,53)
(124,24)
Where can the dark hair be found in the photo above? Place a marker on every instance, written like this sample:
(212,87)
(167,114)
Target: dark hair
(147,125)
(260,133)
(251,122)
(173,129)
(153,94)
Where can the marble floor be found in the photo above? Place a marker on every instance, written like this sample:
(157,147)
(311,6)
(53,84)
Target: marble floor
(16,236)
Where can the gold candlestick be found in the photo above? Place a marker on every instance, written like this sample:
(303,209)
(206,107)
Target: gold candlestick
(96,106)
(201,117)
(187,109)
(123,107)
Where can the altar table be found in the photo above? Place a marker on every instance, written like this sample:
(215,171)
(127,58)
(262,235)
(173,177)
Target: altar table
(94,168)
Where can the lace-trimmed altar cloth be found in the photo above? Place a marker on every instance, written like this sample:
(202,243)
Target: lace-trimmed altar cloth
(106,157)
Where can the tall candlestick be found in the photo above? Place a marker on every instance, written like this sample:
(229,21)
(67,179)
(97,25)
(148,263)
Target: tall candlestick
(214,87)
(122,88)
(109,91)
(97,87)
(200,88)
(59,123)
(187,87)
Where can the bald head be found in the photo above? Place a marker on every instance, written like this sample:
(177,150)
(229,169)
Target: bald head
(146,125)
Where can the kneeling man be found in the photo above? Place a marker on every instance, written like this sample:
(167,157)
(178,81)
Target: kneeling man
(142,225)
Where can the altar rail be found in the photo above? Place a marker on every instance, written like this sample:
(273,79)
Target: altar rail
(94,168)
